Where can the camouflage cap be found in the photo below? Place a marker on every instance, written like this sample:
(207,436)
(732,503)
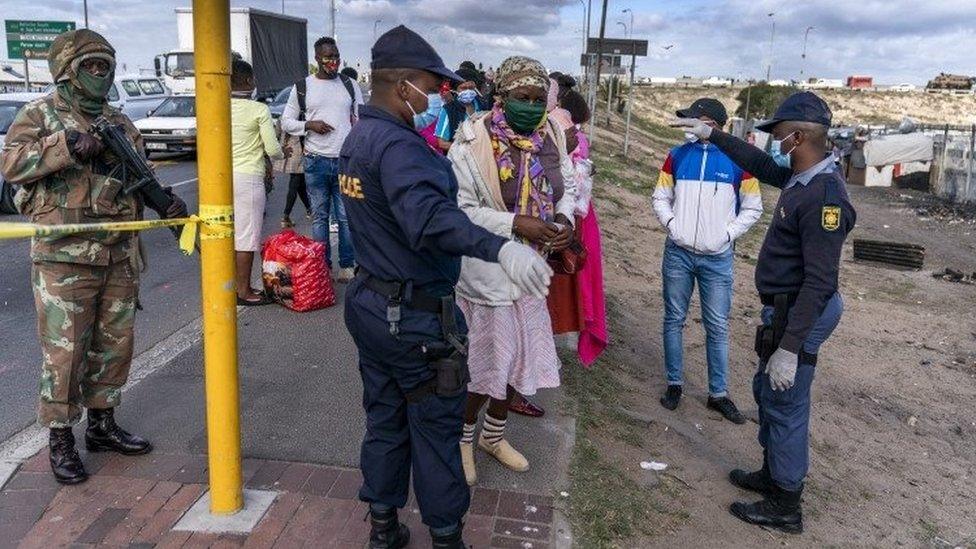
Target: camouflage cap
(70,45)
(518,71)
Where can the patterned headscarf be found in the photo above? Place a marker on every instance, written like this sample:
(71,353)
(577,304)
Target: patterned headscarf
(518,71)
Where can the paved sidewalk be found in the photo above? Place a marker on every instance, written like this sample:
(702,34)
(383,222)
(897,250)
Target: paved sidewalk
(302,424)
(134,502)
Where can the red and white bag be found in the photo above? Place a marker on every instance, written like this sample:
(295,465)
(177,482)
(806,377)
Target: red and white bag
(294,272)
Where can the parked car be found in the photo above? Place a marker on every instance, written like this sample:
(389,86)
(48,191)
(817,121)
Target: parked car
(171,128)
(277,105)
(904,88)
(10,103)
(134,95)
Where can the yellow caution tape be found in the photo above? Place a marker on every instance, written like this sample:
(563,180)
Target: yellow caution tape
(217,221)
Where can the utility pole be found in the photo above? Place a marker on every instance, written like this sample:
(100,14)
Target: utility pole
(803,61)
(86,13)
(375,23)
(599,59)
(630,97)
(332,18)
(772,38)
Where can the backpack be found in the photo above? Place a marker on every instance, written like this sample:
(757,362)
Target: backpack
(301,88)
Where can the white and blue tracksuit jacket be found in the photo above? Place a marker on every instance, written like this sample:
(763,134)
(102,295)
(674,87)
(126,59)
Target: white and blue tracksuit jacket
(704,200)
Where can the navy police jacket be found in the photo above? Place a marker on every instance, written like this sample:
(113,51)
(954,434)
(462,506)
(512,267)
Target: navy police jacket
(401,201)
(800,255)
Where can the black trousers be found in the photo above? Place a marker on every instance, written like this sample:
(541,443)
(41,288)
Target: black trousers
(296,189)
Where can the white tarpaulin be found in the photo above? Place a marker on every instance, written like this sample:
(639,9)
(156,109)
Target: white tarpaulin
(897,149)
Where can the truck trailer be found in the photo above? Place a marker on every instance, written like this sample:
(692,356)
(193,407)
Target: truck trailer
(275,45)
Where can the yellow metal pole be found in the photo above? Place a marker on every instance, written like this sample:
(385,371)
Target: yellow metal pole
(211,38)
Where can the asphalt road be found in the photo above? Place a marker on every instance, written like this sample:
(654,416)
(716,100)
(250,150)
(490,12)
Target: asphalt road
(170,296)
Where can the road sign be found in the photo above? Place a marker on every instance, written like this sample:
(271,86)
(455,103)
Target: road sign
(609,60)
(32,39)
(618,46)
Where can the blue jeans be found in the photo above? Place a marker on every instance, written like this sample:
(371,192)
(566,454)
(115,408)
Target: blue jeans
(322,181)
(784,416)
(679,272)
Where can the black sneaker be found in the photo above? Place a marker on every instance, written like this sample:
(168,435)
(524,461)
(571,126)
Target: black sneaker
(671,397)
(726,407)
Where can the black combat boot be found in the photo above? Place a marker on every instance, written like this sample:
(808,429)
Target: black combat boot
(386,531)
(65,462)
(448,541)
(103,435)
(780,510)
(756,481)
(671,397)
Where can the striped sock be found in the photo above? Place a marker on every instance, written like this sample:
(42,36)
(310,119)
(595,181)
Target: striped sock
(493,429)
(467,436)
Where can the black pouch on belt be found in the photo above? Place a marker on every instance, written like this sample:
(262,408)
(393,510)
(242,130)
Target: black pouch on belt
(768,337)
(447,358)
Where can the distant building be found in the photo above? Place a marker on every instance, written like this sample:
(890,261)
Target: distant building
(860,82)
(12,76)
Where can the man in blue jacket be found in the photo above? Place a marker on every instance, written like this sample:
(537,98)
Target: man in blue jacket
(705,202)
(797,279)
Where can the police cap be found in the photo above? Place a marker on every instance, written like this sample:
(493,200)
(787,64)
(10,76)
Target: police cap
(402,48)
(802,106)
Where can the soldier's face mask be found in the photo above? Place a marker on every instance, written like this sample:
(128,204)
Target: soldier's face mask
(94,77)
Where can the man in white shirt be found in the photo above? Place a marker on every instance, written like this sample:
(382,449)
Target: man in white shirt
(322,109)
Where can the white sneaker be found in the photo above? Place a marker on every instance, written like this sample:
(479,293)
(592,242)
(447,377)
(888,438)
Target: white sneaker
(345,274)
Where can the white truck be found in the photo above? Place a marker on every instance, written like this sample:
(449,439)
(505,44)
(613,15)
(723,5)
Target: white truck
(275,45)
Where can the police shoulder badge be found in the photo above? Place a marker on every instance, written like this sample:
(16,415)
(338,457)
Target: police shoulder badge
(830,218)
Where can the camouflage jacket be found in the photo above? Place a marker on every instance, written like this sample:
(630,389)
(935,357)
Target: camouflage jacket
(56,189)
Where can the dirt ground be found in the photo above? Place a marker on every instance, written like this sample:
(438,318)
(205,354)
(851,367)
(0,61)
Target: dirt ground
(893,425)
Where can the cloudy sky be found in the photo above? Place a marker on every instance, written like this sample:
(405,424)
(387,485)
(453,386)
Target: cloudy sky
(893,40)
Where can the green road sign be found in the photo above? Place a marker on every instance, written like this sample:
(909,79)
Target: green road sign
(31,39)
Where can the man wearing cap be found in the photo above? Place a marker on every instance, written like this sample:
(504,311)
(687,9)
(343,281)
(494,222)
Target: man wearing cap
(85,285)
(410,235)
(705,202)
(797,281)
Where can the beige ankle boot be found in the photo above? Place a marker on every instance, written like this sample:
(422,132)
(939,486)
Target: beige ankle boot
(505,454)
(467,462)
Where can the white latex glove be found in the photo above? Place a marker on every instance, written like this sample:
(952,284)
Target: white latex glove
(693,126)
(781,368)
(526,268)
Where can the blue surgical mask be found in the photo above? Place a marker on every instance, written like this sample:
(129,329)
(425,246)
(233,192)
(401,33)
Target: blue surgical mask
(467,96)
(781,159)
(429,116)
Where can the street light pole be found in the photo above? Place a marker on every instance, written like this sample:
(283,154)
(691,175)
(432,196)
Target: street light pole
(631,12)
(803,63)
(332,19)
(599,59)
(86,13)
(377,22)
(772,38)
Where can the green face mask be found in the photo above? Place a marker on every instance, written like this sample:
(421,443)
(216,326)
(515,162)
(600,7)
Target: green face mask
(522,116)
(94,87)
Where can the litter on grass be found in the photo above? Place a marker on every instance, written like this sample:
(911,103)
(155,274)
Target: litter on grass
(653,466)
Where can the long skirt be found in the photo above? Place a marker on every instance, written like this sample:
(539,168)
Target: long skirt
(510,345)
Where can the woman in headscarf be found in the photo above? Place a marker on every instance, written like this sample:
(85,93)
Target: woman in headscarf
(516,180)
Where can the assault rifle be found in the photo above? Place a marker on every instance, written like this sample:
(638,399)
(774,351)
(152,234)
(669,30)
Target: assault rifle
(133,170)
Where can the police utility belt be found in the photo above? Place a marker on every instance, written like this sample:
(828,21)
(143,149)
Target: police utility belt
(447,358)
(768,337)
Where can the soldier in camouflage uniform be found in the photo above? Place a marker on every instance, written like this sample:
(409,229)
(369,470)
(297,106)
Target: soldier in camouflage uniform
(85,285)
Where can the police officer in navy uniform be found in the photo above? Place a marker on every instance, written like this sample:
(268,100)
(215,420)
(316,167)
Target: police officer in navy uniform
(410,235)
(796,276)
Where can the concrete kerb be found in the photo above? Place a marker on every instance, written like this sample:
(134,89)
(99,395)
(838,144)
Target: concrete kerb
(199,518)
(21,446)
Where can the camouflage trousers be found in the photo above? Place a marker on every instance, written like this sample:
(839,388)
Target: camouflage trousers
(85,320)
